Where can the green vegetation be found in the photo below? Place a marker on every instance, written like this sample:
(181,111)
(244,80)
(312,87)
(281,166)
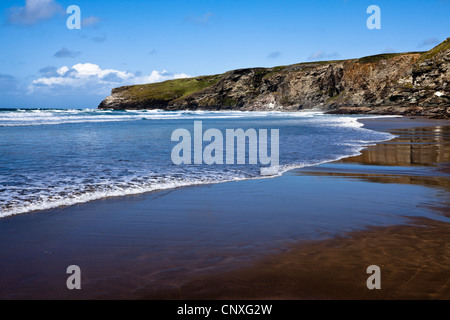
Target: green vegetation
(277,69)
(273,70)
(384,56)
(171,89)
(316,63)
(330,99)
(407,86)
(439,48)
(229,102)
(261,71)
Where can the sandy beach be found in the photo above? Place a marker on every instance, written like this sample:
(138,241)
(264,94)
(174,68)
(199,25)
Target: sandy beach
(309,234)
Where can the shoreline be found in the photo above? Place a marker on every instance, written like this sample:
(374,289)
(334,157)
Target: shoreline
(413,255)
(156,245)
(58,205)
(137,192)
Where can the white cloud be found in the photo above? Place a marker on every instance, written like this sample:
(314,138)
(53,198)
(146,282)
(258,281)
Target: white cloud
(89,69)
(181,76)
(157,76)
(61,71)
(34,11)
(89,78)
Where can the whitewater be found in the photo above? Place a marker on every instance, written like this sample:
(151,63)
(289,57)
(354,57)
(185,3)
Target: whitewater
(61,157)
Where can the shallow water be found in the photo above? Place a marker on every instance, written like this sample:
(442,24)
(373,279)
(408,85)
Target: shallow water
(51,158)
(150,244)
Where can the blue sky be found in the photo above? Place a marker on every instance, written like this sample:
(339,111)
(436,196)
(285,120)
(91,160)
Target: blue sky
(44,64)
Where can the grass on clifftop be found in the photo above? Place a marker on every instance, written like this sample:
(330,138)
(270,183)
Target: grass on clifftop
(171,89)
(383,56)
(439,48)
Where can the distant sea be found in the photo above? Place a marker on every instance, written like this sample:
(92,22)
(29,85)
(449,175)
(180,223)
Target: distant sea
(60,157)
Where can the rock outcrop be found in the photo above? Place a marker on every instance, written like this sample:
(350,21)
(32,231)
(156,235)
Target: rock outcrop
(406,83)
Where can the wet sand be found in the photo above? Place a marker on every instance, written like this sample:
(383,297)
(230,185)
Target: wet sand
(414,262)
(414,257)
(309,234)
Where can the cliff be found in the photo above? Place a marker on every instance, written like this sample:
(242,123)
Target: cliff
(405,83)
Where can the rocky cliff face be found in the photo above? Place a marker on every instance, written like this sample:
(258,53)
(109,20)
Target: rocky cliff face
(409,84)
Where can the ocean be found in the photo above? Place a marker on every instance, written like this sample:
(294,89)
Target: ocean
(59,157)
